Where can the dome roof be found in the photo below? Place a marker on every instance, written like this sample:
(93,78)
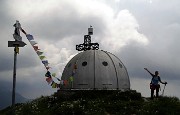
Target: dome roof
(95,69)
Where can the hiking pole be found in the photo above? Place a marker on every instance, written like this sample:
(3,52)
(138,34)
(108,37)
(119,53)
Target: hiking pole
(163,89)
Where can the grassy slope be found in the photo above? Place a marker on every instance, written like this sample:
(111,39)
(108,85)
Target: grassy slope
(98,102)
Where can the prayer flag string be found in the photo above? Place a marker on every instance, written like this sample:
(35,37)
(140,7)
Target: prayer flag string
(45,62)
(48,74)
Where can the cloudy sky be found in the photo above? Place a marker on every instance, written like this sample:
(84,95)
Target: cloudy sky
(142,33)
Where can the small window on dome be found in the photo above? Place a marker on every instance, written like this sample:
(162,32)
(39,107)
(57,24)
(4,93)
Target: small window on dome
(84,63)
(69,65)
(120,65)
(104,63)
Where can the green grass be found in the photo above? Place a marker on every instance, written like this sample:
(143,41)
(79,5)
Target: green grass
(98,103)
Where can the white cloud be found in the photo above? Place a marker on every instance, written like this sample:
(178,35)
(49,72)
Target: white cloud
(123,29)
(120,29)
(57,57)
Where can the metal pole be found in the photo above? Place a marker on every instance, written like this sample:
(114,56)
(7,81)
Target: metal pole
(163,90)
(14,80)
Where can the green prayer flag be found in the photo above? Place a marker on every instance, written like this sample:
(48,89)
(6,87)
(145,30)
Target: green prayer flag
(54,74)
(71,79)
(41,57)
(54,85)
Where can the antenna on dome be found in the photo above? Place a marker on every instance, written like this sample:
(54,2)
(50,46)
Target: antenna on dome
(90,30)
(87,45)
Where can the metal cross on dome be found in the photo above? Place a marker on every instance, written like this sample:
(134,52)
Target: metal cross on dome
(87,45)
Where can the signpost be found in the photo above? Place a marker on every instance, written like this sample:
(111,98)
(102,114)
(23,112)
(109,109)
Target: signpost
(16,44)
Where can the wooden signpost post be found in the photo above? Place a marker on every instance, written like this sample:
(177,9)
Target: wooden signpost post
(16,44)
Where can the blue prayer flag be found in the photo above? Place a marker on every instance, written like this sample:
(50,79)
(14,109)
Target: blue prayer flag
(29,37)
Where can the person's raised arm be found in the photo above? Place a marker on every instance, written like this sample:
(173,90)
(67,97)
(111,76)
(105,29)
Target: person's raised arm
(148,71)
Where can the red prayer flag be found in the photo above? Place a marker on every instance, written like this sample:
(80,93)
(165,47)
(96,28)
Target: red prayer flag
(36,48)
(49,80)
(65,82)
(47,67)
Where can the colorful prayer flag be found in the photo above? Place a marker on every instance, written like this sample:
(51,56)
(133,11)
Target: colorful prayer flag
(36,48)
(48,74)
(54,85)
(58,85)
(49,80)
(46,64)
(54,74)
(71,79)
(45,61)
(33,43)
(39,53)
(42,57)
(47,67)
(65,82)
(29,37)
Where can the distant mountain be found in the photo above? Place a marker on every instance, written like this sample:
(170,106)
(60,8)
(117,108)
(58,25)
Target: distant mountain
(6,98)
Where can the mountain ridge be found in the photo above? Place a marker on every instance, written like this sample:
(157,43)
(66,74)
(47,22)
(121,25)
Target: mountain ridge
(6,98)
(97,102)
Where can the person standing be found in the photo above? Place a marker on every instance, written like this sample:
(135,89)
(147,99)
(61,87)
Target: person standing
(154,85)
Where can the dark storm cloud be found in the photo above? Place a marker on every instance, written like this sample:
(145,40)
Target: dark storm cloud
(6,58)
(57,23)
(6,53)
(53,28)
(26,58)
(5,85)
(4,14)
(137,58)
(6,63)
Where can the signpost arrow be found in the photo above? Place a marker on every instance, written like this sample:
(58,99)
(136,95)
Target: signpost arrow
(16,43)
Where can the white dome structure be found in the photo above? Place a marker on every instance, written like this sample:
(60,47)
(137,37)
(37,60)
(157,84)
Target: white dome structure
(96,69)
